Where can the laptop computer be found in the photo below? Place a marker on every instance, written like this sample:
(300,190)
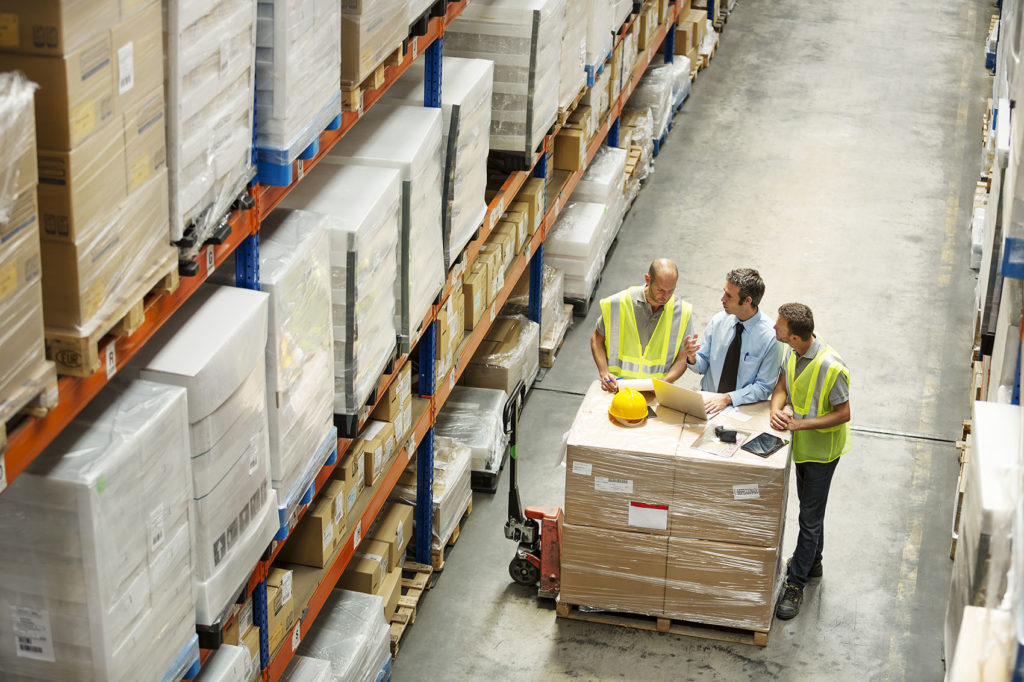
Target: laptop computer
(681,399)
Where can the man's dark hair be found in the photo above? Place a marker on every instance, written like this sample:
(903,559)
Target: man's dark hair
(799,319)
(750,283)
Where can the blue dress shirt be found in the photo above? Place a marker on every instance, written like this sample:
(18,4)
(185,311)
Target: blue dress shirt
(760,357)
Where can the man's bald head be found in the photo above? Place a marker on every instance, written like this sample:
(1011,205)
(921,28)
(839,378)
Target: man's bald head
(662,267)
(661,282)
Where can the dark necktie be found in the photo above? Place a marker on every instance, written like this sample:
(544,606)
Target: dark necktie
(731,367)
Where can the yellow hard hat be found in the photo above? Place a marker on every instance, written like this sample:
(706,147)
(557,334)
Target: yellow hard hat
(628,406)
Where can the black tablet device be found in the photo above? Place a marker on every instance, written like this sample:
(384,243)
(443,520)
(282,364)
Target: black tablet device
(764,444)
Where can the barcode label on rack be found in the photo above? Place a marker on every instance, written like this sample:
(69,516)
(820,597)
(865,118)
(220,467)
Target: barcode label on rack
(110,360)
(211,262)
(32,632)
(297,636)
(357,536)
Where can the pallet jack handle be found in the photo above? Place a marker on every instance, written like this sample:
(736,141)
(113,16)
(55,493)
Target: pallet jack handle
(510,419)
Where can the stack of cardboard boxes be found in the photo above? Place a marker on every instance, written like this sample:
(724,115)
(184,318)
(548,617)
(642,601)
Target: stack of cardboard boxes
(395,407)
(376,566)
(370,31)
(508,354)
(243,632)
(450,330)
(101,153)
(654,526)
(691,28)
(452,491)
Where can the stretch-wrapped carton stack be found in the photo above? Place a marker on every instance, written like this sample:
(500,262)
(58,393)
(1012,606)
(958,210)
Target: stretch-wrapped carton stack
(370,31)
(656,526)
(351,633)
(654,92)
(210,67)
(552,293)
(466,88)
(298,76)
(600,33)
(573,75)
(604,183)
(215,348)
(474,418)
(99,129)
(524,40)
(508,354)
(452,492)
(94,545)
(362,207)
(408,139)
(576,245)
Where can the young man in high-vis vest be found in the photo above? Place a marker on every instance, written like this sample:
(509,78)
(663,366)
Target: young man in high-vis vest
(812,400)
(641,330)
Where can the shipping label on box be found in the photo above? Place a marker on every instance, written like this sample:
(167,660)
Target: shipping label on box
(137,44)
(279,604)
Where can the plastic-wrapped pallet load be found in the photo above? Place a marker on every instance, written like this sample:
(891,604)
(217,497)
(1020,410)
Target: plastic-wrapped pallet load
(466,90)
(306,669)
(418,7)
(227,664)
(654,92)
(473,417)
(552,290)
(680,68)
(94,545)
(370,31)
(524,39)
(573,75)
(604,183)
(298,77)
(452,492)
(215,347)
(508,354)
(362,206)
(210,66)
(986,650)
(408,139)
(576,246)
(600,33)
(351,633)
(621,10)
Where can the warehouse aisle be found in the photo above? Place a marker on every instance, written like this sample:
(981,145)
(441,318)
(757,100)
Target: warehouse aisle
(833,147)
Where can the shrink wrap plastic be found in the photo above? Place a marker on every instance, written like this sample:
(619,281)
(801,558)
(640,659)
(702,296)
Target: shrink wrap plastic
(95,544)
(524,40)
(600,32)
(227,664)
(351,633)
(210,68)
(509,353)
(17,138)
(654,92)
(604,183)
(573,76)
(370,31)
(362,209)
(577,245)
(552,292)
(298,74)
(452,491)
(680,68)
(306,669)
(473,417)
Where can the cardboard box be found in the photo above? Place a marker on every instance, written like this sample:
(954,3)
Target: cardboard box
(391,592)
(570,149)
(721,584)
(533,194)
(53,27)
(584,119)
(501,338)
(475,289)
(398,391)
(145,140)
(394,526)
(279,605)
(613,570)
(519,215)
(598,96)
(614,67)
(367,568)
(335,491)
(698,20)
(351,465)
(251,641)
(379,439)
(403,425)
(312,541)
(137,43)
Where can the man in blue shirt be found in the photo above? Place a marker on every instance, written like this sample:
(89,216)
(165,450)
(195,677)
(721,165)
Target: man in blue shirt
(738,355)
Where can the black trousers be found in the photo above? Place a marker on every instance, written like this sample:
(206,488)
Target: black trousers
(813,480)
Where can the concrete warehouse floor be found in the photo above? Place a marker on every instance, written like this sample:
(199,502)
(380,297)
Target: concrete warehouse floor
(835,147)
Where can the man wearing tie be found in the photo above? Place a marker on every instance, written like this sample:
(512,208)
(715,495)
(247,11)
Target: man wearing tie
(738,355)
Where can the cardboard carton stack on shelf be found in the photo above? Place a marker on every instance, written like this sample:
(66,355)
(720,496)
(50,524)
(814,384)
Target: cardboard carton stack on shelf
(243,633)
(407,139)
(450,330)
(99,131)
(577,245)
(552,310)
(452,492)
(466,90)
(508,354)
(654,92)
(96,559)
(654,526)
(524,40)
(352,634)
(473,417)
(376,566)
(298,76)
(395,408)
(215,347)
(604,183)
(210,76)
(370,31)
(25,371)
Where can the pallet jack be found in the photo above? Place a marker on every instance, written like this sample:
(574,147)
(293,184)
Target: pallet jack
(538,531)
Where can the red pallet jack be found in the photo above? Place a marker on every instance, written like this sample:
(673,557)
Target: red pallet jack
(538,559)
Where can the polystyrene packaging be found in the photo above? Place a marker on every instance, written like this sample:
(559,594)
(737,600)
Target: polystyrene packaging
(452,491)
(524,39)
(573,75)
(600,32)
(298,74)
(620,12)
(370,31)
(94,544)
(227,664)
(654,91)
(362,208)
(576,245)
(604,183)
(17,136)
(466,89)
(295,271)
(552,291)
(474,418)
(408,139)
(306,669)
(210,67)
(351,634)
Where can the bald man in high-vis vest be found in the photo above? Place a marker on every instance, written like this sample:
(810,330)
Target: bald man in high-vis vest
(641,330)
(812,400)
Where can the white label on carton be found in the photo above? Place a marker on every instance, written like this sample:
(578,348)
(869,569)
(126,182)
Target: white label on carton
(746,492)
(211,262)
(245,616)
(156,527)
(286,587)
(493,309)
(32,633)
(400,534)
(357,536)
(410,447)
(415,48)
(328,536)
(297,636)
(378,461)
(582,468)
(125,68)
(613,485)
(339,508)
(110,357)
(644,515)
(360,468)
(353,495)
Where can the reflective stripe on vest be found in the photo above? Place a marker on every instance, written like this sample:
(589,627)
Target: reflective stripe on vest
(626,357)
(809,393)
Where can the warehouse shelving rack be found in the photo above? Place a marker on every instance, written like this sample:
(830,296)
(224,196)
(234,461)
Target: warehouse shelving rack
(33,434)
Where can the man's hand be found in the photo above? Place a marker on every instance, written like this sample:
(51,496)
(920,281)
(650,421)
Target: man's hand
(691,346)
(609,383)
(717,402)
(782,420)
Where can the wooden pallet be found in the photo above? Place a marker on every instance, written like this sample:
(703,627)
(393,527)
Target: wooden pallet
(415,581)
(437,556)
(80,356)
(633,157)
(35,396)
(964,448)
(661,624)
(352,95)
(552,343)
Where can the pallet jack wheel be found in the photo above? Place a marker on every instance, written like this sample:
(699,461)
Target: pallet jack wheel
(523,572)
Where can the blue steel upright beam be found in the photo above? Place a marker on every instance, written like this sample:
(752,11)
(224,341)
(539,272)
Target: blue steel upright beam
(425,497)
(536,284)
(432,81)
(711,10)
(541,169)
(670,44)
(247,263)
(259,616)
(428,360)
(613,134)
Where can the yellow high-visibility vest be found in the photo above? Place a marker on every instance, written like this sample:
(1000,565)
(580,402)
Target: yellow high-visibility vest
(809,392)
(626,357)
